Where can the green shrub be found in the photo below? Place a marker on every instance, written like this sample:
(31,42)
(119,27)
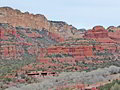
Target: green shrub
(115,87)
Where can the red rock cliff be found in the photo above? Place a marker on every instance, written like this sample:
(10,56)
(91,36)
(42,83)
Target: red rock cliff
(16,18)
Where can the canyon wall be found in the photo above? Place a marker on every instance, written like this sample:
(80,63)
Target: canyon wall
(15,18)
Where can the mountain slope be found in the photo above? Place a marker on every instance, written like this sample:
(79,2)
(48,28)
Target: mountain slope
(32,46)
(37,21)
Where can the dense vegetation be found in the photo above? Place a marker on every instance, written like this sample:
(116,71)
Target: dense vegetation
(66,78)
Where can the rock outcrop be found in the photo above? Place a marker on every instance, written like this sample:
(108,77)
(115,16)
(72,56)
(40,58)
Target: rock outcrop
(96,32)
(16,41)
(114,33)
(33,46)
(15,18)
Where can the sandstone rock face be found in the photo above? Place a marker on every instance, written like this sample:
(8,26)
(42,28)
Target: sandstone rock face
(14,42)
(113,28)
(114,33)
(34,46)
(98,28)
(17,18)
(97,32)
(38,21)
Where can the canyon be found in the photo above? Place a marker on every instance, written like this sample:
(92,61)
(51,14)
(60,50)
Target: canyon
(31,45)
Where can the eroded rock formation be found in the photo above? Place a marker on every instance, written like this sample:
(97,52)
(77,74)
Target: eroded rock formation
(15,17)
